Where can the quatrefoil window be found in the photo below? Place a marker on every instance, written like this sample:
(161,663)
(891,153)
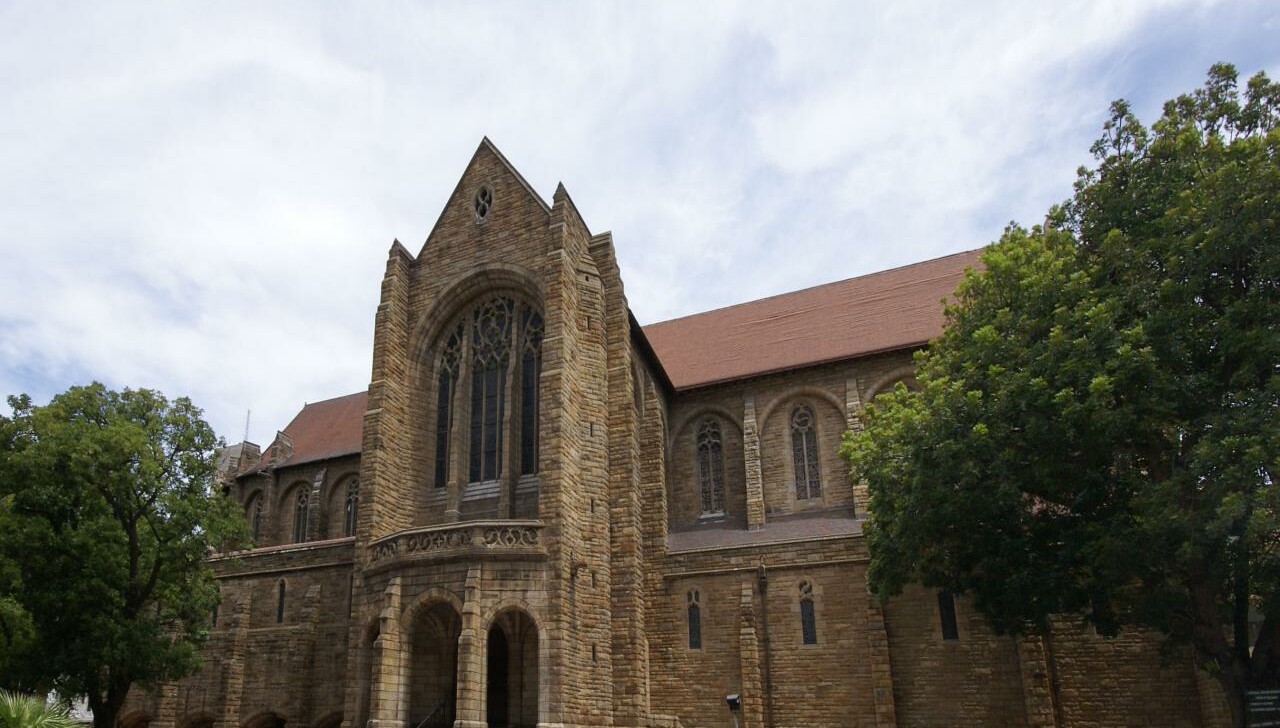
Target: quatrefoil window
(483,202)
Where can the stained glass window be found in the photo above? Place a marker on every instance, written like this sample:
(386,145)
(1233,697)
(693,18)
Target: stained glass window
(711,467)
(352,505)
(300,504)
(804,453)
(695,619)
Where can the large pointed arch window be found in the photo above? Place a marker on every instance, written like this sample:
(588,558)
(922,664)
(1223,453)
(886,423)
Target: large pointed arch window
(710,445)
(351,507)
(487,378)
(301,503)
(804,452)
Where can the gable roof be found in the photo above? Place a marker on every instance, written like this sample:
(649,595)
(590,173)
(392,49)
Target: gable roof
(322,430)
(893,309)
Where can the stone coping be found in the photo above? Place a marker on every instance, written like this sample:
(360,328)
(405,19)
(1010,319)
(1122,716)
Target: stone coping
(285,548)
(466,539)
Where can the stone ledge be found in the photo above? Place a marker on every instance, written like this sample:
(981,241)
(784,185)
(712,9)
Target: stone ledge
(469,539)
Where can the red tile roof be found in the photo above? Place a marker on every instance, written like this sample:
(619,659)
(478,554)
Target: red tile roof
(893,309)
(323,430)
(882,311)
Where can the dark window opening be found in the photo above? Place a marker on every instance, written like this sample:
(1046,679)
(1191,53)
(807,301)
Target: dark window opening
(280,602)
(947,613)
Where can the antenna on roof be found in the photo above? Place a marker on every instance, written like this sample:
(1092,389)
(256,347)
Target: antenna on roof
(246,425)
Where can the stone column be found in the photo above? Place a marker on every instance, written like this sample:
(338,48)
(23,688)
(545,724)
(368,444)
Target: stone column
(167,707)
(1037,687)
(880,664)
(751,456)
(853,419)
(313,506)
(471,646)
(232,677)
(388,663)
(752,685)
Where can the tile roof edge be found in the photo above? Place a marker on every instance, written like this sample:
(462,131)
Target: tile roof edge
(815,287)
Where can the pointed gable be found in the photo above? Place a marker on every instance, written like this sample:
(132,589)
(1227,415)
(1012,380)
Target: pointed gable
(510,198)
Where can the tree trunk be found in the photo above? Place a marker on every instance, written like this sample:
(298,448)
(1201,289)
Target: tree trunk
(106,711)
(1234,688)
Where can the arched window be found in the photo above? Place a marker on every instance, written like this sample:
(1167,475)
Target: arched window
(808,619)
(694,608)
(711,467)
(255,513)
(497,346)
(300,503)
(352,505)
(449,363)
(804,452)
(280,602)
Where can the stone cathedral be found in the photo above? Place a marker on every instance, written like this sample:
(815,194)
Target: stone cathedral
(542,514)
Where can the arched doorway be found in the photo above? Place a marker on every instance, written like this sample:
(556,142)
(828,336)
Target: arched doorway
(433,666)
(266,719)
(512,695)
(197,720)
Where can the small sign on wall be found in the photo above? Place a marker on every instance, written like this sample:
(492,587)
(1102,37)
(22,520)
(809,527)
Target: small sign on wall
(1263,708)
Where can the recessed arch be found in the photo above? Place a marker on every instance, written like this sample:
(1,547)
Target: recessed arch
(461,295)
(265,719)
(735,421)
(425,600)
(906,372)
(135,719)
(791,395)
(197,720)
(515,658)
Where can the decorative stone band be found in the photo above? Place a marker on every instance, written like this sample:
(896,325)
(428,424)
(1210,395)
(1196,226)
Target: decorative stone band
(468,539)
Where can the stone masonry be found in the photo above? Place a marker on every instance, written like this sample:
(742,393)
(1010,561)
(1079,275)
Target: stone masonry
(532,518)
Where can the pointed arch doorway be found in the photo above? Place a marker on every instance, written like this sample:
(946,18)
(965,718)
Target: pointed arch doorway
(512,674)
(433,667)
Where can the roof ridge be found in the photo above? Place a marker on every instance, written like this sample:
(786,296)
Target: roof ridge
(812,288)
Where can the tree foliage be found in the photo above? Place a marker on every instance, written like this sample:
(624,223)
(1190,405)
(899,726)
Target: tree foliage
(111,517)
(1096,431)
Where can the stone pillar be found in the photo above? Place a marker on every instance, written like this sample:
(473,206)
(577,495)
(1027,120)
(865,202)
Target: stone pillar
(232,677)
(853,419)
(313,506)
(1214,710)
(752,686)
(880,664)
(1037,684)
(388,663)
(751,456)
(471,658)
(166,707)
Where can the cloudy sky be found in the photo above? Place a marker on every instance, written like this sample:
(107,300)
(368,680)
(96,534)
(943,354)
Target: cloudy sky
(199,197)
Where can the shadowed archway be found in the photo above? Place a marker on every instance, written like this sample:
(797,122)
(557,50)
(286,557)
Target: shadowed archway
(512,674)
(433,666)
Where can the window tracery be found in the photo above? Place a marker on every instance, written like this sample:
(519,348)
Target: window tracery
(804,453)
(495,354)
(710,446)
(352,505)
(300,504)
(450,360)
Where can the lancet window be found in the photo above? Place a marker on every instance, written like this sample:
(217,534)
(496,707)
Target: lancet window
(256,512)
(710,445)
(300,505)
(808,618)
(351,506)
(694,608)
(804,453)
(487,383)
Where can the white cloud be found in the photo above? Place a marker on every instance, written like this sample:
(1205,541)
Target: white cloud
(200,198)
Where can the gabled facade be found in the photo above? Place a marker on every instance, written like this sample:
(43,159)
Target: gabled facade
(542,514)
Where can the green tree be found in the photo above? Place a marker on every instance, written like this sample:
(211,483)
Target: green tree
(113,515)
(1096,431)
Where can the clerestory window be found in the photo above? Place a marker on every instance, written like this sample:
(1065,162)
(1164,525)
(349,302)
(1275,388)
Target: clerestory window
(493,357)
(710,448)
(300,505)
(804,453)
(351,507)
